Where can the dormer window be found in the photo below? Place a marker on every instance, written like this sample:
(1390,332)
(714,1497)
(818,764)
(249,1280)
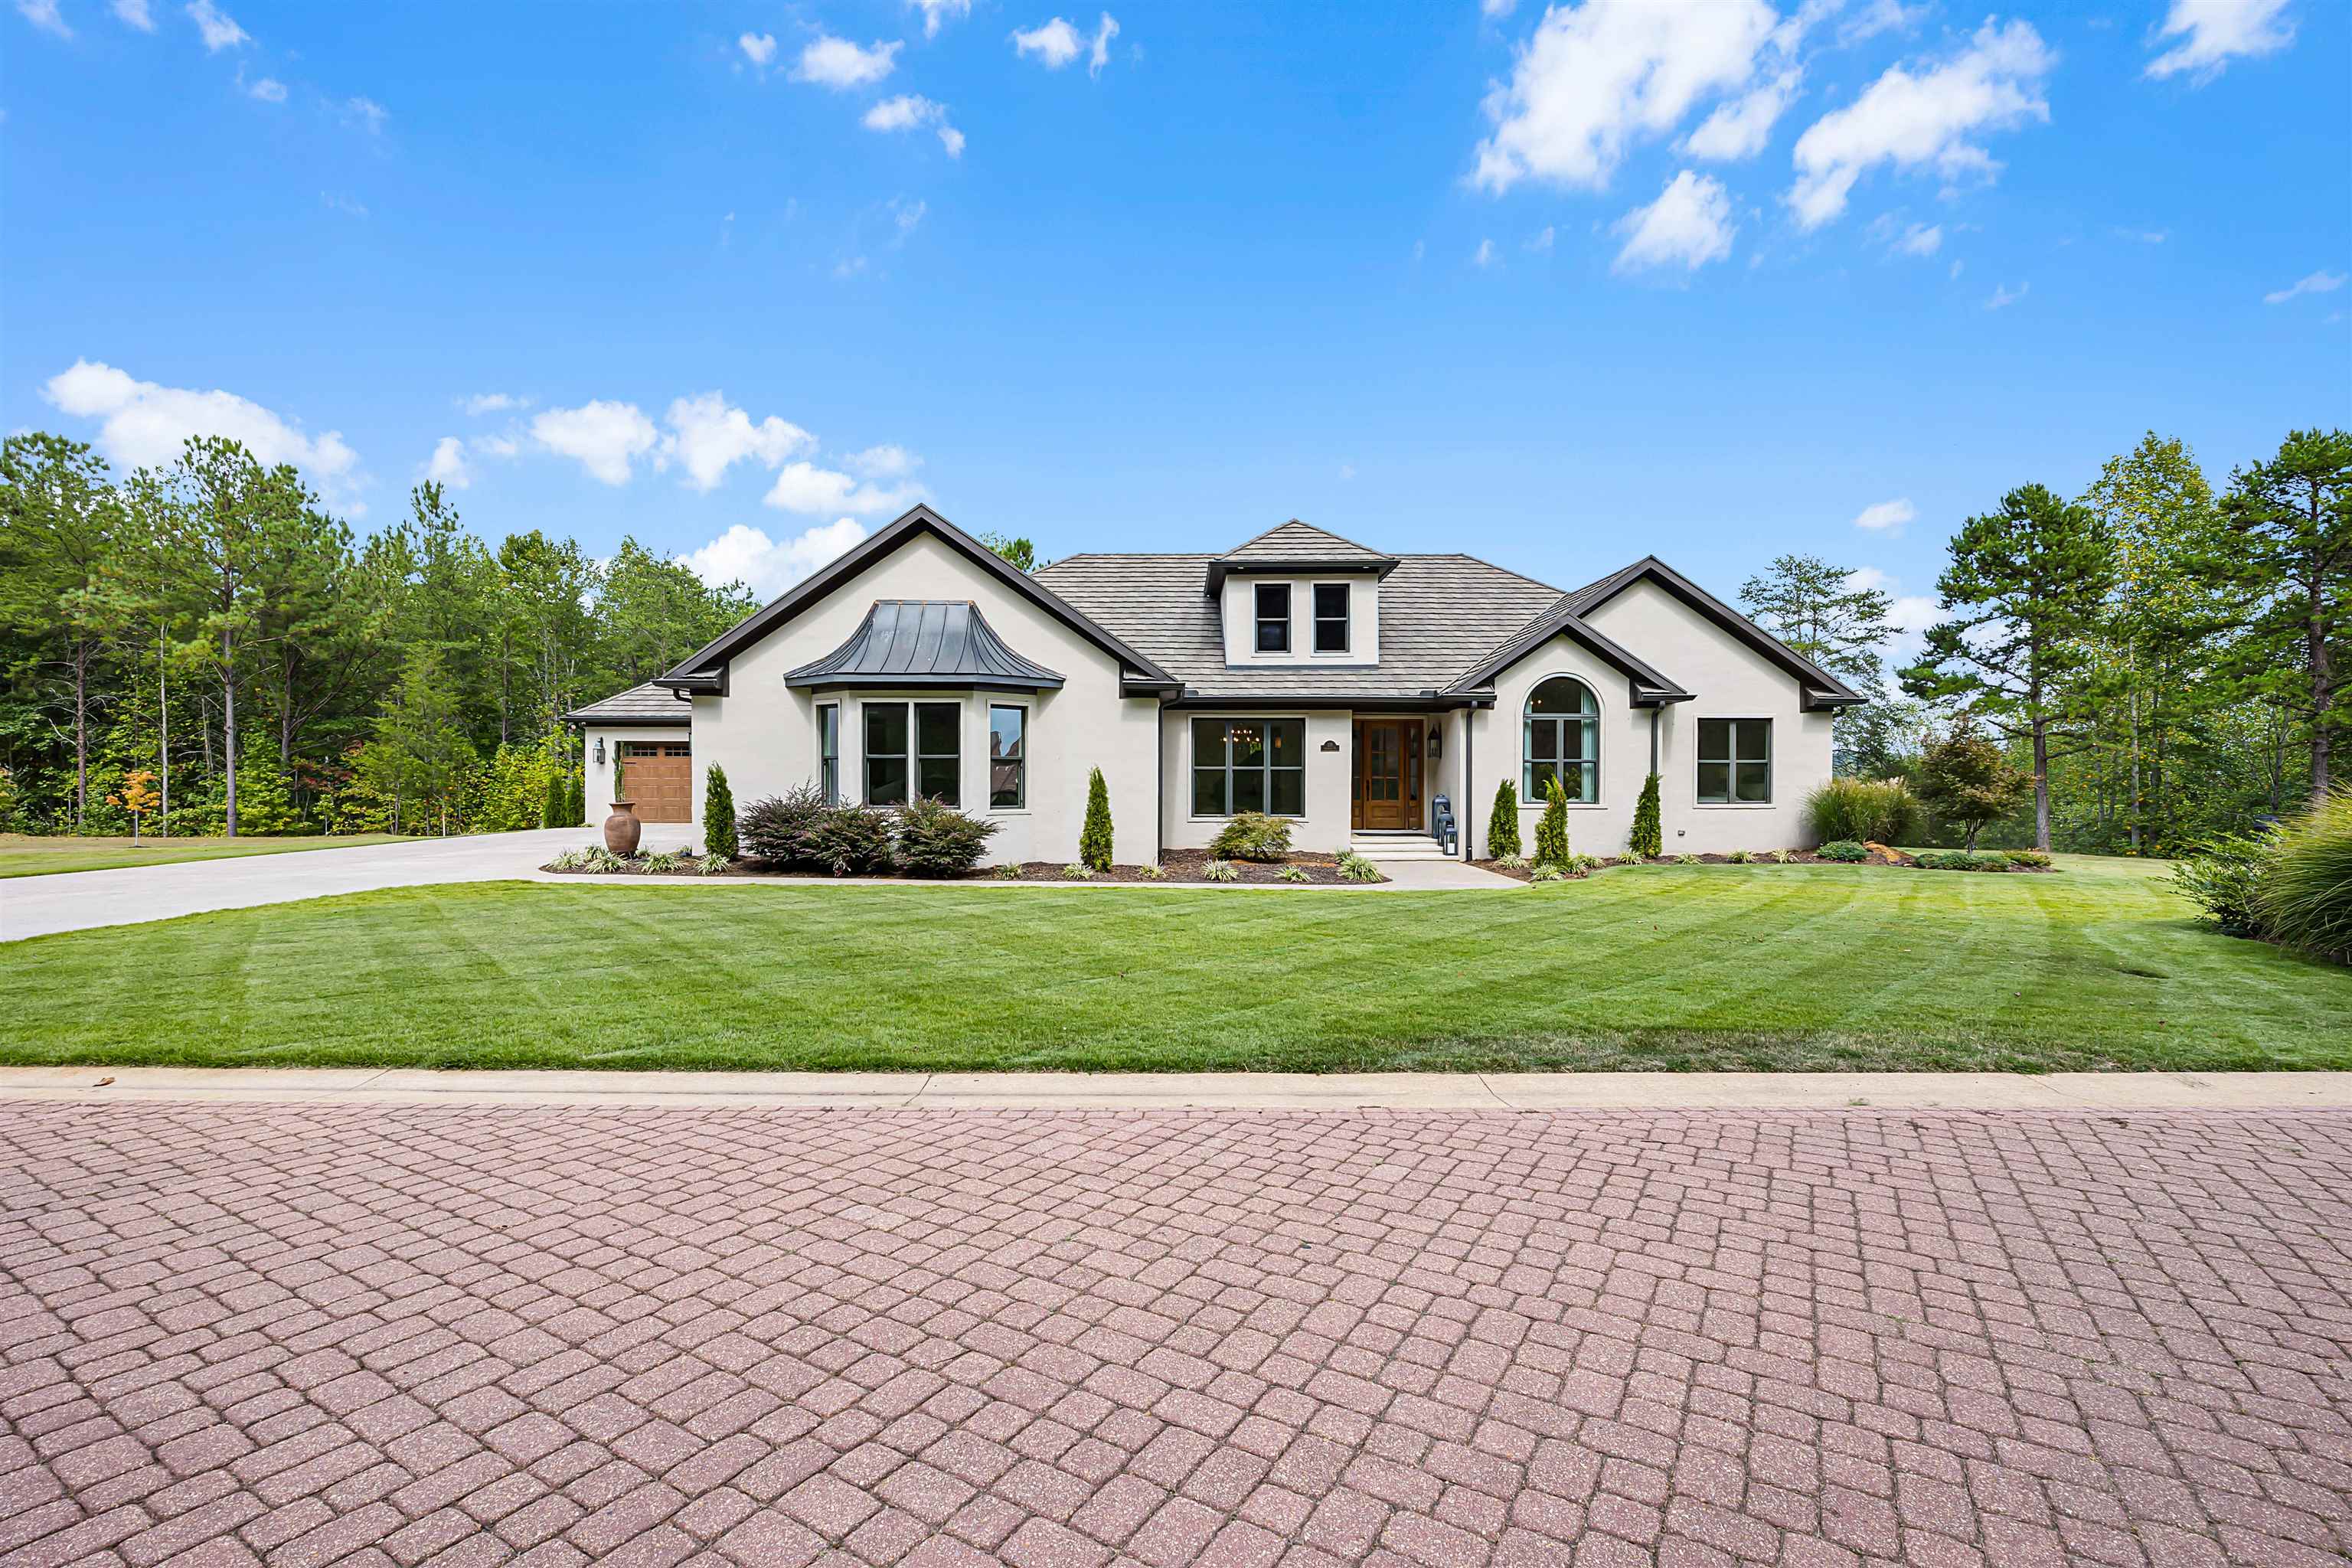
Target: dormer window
(1274,617)
(1330,618)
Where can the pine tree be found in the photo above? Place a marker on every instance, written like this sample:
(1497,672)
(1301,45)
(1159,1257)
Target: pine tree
(1551,830)
(2290,520)
(719,815)
(1649,833)
(1094,839)
(1503,822)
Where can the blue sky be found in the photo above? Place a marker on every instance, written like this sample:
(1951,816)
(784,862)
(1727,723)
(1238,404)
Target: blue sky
(1712,280)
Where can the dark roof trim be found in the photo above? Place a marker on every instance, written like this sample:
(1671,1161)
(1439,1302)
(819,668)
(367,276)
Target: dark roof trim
(1277,702)
(1646,688)
(1817,687)
(706,670)
(924,642)
(684,719)
(1268,566)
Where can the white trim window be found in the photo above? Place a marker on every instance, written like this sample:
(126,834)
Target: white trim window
(1330,618)
(1734,761)
(828,751)
(1273,604)
(1008,757)
(1249,764)
(922,740)
(1561,738)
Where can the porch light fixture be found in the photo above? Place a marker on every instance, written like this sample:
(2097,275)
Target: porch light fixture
(1436,742)
(600,751)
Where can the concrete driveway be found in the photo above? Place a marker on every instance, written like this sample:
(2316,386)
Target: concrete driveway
(34,906)
(383,1334)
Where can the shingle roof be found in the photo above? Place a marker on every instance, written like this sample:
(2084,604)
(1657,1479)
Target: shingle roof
(645,704)
(924,642)
(1439,615)
(1295,546)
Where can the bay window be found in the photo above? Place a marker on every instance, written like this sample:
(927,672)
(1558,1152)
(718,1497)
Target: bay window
(919,743)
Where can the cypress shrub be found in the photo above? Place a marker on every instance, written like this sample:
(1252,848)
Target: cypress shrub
(1649,839)
(577,799)
(1503,822)
(718,815)
(1094,839)
(1551,831)
(554,801)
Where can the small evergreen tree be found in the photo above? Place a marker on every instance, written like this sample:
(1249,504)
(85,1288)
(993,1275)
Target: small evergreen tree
(718,815)
(556,802)
(1649,834)
(580,799)
(1966,780)
(1503,822)
(1094,839)
(1551,831)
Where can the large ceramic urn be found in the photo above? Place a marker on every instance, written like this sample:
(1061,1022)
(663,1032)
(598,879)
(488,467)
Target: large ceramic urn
(622,828)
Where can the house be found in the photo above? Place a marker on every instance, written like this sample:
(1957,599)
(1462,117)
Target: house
(1300,673)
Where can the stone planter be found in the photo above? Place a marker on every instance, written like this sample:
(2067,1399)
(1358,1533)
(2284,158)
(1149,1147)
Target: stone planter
(621,829)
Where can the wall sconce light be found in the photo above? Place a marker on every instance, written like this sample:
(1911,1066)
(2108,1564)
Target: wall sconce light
(1436,742)
(600,751)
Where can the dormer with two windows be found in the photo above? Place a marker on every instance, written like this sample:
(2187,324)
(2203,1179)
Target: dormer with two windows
(1297,596)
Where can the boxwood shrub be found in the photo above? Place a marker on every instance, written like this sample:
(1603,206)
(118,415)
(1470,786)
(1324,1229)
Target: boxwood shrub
(1252,835)
(1843,849)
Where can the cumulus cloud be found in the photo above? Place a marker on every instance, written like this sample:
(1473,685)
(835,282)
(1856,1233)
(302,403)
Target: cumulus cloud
(837,63)
(1689,226)
(219,31)
(448,464)
(936,11)
(708,436)
(1909,613)
(144,425)
(1098,52)
(483,403)
(803,487)
(746,554)
(1597,77)
(2321,282)
(884,462)
(758,47)
(605,437)
(44,15)
(366,113)
(1907,239)
(1740,129)
(1926,118)
(1887,516)
(135,14)
(1055,43)
(2212,32)
(909,110)
(268,89)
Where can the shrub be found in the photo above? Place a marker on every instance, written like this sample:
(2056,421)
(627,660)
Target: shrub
(777,829)
(1649,834)
(1077,871)
(1584,864)
(935,839)
(1217,871)
(580,799)
(1503,822)
(1843,849)
(1551,829)
(718,833)
(570,860)
(1007,873)
(1293,874)
(1781,857)
(1354,867)
(664,860)
(1685,859)
(710,866)
(1546,874)
(555,801)
(1252,835)
(1512,862)
(2305,897)
(598,859)
(1883,811)
(1962,860)
(1153,873)
(1739,857)
(2033,857)
(849,841)
(2224,880)
(1094,839)
(1967,780)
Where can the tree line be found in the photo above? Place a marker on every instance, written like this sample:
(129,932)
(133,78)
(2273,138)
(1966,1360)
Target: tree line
(2165,664)
(211,623)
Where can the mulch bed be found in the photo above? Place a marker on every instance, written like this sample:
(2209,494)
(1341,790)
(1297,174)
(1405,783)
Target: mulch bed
(1880,856)
(1181,865)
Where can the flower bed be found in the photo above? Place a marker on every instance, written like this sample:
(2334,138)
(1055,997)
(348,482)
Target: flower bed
(1179,865)
(1984,860)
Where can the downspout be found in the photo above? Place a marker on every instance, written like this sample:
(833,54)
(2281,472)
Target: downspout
(1654,739)
(1469,755)
(1159,781)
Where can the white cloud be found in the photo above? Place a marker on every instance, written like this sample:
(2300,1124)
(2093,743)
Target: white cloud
(448,464)
(1877,18)
(2321,282)
(1054,42)
(1541,242)
(708,436)
(268,88)
(803,487)
(483,403)
(1498,8)
(884,462)
(1740,129)
(938,11)
(2218,29)
(1916,239)
(2145,235)
(1887,516)
(907,214)
(604,436)
(1957,267)
(1910,120)
(1595,78)
(747,556)
(144,425)
(347,206)
(1689,226)
(1485,255)
(1910,614)
(135,14)
(2003,296)
(44,15)
(366,113)
(758,47)
(838,63)
(1098,52)
(908,110)
(220,32)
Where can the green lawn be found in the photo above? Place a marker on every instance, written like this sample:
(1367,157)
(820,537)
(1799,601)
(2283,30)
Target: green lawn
(21,856)
(1707,967)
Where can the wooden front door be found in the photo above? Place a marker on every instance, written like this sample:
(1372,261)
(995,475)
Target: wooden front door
(1388,774)
(659,776)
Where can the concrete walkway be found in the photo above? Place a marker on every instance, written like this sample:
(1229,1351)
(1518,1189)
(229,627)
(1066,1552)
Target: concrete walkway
(2225,1091)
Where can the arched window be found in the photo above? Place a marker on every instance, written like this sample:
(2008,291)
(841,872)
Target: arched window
(1563,740)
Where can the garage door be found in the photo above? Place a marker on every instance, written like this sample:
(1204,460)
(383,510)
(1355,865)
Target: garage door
(660,779)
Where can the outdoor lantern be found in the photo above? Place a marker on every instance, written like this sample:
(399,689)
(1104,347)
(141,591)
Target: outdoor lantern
(1436,742)
(600,751)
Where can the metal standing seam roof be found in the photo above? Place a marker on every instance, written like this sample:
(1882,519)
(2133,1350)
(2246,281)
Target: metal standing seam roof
(924,642)
(643,704)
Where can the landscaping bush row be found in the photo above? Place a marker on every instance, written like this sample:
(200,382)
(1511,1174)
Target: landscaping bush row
(802,831)
(2291,884)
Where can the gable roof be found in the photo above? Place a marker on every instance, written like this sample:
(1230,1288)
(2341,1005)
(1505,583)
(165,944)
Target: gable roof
(1645,687)
(1820,688)
(1296,546)
(643,704)
(924,642)
(706,668)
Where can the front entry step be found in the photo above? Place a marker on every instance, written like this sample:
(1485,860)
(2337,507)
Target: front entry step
(1399,847)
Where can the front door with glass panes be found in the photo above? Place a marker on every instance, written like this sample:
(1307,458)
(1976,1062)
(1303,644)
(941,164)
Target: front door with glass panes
(1388,774)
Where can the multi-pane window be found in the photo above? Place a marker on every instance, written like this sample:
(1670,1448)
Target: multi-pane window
(828,751)
(1008,758)
(1562,740)
(921,742)
(1330,618)
(1734,761)
(1274,617)
(1249,764)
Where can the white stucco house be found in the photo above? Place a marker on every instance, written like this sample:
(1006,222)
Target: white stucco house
(1298,673)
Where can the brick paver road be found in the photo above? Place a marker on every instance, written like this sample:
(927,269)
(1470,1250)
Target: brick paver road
(466,1336)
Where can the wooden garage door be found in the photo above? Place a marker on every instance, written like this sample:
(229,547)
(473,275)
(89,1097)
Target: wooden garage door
(660,779)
